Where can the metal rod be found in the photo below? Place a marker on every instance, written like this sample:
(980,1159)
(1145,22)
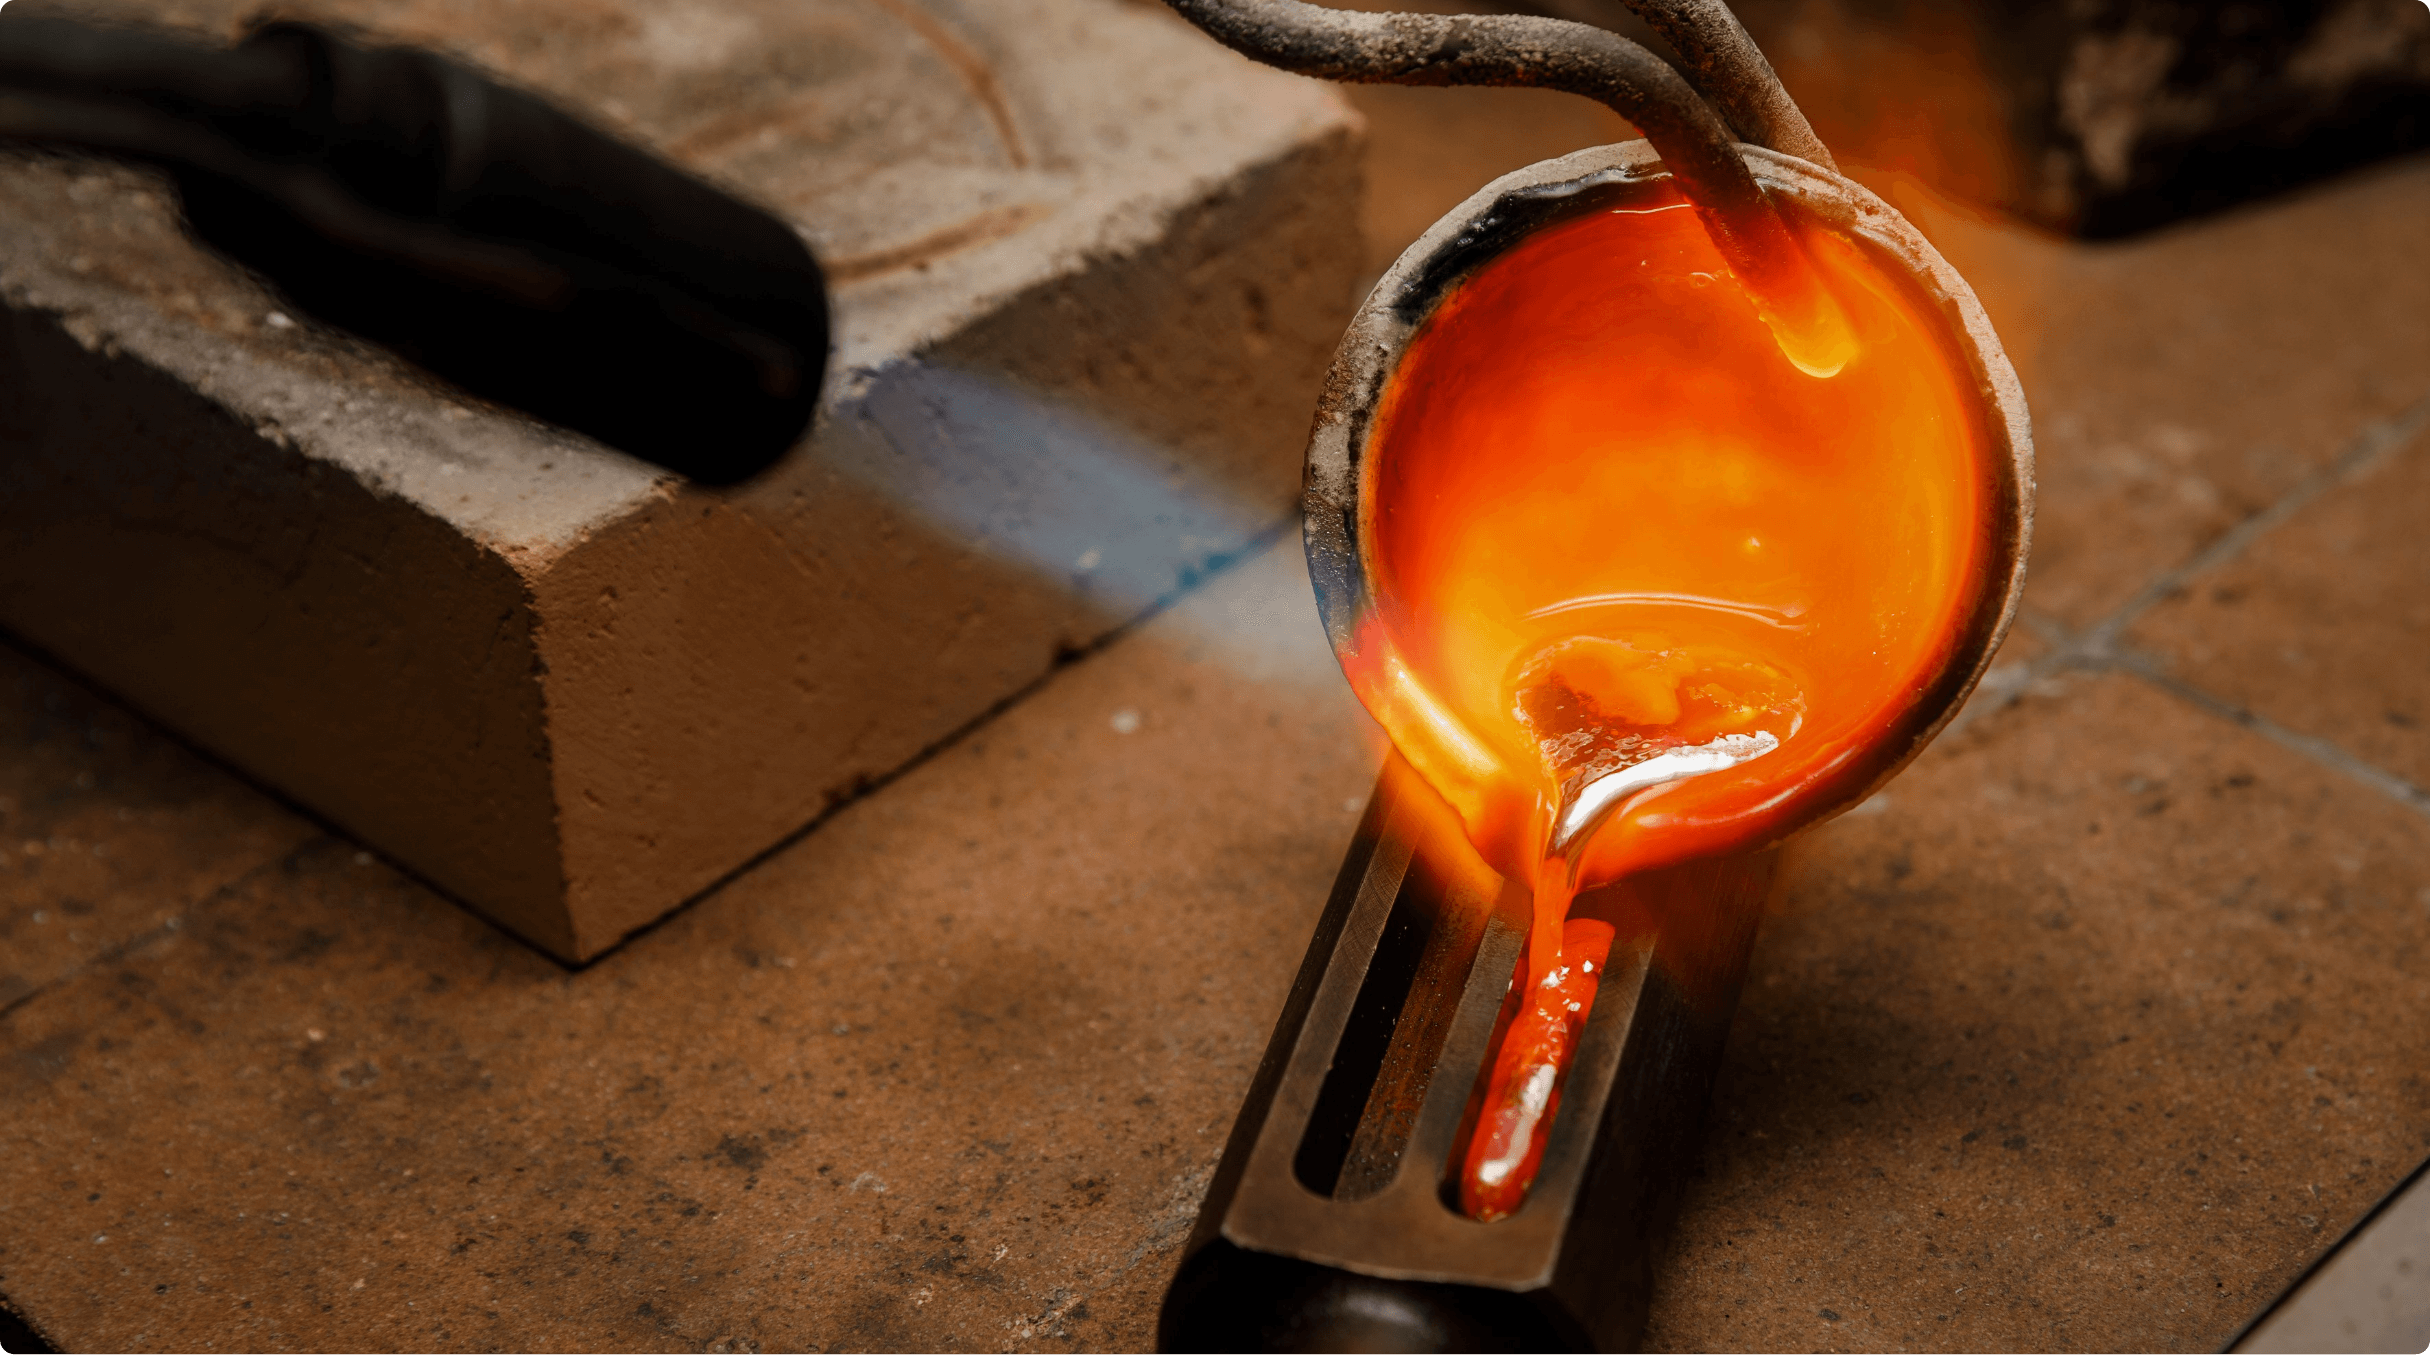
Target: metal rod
(1696,145)
(1730,71)
(1496,49)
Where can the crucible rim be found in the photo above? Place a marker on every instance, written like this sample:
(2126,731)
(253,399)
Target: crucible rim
(1493,220)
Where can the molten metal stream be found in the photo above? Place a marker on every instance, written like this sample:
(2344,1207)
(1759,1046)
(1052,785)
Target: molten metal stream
(1606,517)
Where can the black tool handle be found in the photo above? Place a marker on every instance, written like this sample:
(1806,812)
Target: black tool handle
(477,229)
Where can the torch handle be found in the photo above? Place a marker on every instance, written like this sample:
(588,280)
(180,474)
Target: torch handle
(476,228)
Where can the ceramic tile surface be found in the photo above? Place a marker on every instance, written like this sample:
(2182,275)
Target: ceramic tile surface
(2325,626)
(949,1072)
(2087,1034)
(109,829)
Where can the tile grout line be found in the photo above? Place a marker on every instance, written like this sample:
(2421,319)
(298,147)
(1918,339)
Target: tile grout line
(2374,444)
(176,923)
(2150,669)
(2096,647)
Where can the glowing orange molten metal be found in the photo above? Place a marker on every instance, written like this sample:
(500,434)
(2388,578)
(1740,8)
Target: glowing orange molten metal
(1606,517)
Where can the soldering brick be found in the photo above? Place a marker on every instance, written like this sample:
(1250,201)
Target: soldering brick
(1088,269)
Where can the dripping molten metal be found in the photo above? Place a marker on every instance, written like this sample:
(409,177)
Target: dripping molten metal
(1606,517)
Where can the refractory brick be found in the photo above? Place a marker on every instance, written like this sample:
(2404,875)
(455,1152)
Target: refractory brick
(1088,268)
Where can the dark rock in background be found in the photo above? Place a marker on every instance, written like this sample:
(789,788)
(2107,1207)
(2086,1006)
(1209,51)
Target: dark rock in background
(2099,118)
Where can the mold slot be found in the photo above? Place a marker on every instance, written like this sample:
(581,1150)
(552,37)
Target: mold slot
(1448,1188)
(1419,1037)
(1618,905)
(1367,1038)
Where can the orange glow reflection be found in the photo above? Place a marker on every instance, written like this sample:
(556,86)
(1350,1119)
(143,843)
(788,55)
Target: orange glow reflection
(1601,506)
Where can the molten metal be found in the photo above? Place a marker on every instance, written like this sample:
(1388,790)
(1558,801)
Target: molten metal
(1606,517)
